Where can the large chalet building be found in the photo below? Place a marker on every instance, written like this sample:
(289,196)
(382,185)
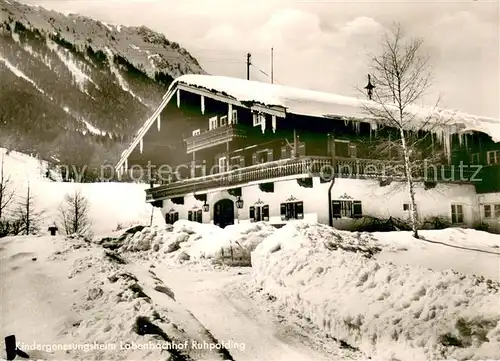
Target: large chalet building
(224,151)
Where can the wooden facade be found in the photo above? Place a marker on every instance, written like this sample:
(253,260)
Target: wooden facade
(206,141)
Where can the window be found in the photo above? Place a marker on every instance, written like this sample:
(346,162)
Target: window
(493,157)
(262,156)
(487,211)
(212,123)
(222,164)
(196,132)
(258,119)
(341,148)
(223,121)
(393,153)
(457,213)
(492,211)
(195,216)
(237,161)
(287,150)
(259,213)
(292,210)
(474,158)
(407,207)
(346,209)
(171,217)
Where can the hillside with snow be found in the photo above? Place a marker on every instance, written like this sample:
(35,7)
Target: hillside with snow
(112,205)
(77,88)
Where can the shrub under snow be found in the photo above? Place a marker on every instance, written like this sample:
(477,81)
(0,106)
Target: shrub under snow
(389,312)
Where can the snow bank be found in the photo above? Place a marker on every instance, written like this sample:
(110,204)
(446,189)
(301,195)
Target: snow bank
(388,311)
(66,292)
(191,242)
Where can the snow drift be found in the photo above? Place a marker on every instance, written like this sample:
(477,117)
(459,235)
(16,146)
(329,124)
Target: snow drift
(390,312)
(191,242)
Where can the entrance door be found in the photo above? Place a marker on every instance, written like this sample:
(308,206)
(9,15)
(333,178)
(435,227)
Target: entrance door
(224,213)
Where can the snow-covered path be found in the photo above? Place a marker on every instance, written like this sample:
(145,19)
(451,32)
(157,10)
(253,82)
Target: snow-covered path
(218,300)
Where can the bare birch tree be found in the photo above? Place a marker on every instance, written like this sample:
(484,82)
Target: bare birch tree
(74,214)
(402,75)
(28,216)
(6,193)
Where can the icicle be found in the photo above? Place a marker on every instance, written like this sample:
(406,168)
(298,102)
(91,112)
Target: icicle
(263,123)
(141,145)
(230,114)
(178,98)
(274,123)
(202,104)
(158,122)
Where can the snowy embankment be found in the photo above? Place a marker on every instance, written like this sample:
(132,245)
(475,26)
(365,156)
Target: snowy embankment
(190,242)
(388,311)
(70,299)
(111,204)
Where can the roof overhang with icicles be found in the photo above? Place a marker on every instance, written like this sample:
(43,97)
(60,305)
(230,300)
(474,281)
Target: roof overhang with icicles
(279,100)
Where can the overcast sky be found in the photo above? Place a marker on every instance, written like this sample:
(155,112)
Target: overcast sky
(323,45)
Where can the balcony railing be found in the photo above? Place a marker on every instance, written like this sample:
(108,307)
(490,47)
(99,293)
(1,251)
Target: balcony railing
(213,137)
(323,167)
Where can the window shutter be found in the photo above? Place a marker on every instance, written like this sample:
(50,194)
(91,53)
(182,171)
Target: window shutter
(302,149)
(460,213)
(299,210)
(283,153)
(283,211)
(199,216)
(497,210)
(251,213)
(190,215)
(167,218)
(242,161)
(353,151)
(336,209)
(254,158)
(269,155)
(265,213)
(357,211)
(176,217)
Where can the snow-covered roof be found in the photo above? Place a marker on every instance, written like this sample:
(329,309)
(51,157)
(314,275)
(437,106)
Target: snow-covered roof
(321,104)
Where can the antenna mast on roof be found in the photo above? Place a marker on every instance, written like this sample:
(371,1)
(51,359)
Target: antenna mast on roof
(249,57)
(272,65)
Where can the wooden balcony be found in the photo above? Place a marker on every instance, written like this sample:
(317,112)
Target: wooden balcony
(214,137)
(309,166)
